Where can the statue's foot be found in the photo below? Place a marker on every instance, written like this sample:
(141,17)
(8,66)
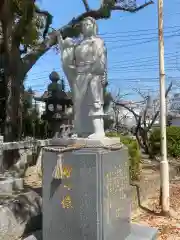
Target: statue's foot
(74,135)
(97,136)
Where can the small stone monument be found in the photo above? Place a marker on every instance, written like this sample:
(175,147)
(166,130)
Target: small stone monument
(57,103)
(86,193)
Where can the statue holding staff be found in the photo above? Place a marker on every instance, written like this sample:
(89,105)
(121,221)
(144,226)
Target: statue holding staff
(86,67)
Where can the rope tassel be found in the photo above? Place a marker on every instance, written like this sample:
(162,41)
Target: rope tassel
(58,171)
(39,164)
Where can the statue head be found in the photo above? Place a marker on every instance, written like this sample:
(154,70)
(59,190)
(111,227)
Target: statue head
(89,27)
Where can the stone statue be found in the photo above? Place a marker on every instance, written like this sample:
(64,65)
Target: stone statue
(88,80)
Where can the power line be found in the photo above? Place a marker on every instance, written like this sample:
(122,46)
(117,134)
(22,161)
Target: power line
(139,30)
(140,43)
(115,35)
(169,55)
(135,62)
(145,59)
(169,62)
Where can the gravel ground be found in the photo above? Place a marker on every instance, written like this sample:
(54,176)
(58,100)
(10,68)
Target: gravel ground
(32,179)
(169,227)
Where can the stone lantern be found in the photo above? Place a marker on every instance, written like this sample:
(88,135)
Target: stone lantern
(57,103)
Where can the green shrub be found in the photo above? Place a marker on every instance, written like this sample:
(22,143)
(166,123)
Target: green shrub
(173,141)
(134,157)
(154,142)
(113,134)
(134,154)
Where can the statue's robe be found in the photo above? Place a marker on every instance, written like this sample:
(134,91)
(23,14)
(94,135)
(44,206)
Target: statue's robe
(90,62)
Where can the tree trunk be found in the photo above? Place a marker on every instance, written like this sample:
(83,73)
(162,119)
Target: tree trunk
(13,89)
(20,112)
(14,81)
(11,123)
(13,77)
(2,80)
(2,95)
(142,138)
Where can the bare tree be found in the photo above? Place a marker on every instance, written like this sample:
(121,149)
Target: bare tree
(145,119)
(118,112)
(72,28)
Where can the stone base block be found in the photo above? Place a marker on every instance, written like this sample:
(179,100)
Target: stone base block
(34,236)
(18,183)
(139,232)
(91,200)
(6,185)
(86,141)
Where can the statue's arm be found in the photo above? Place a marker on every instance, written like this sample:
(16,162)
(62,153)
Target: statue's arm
(100,53)
(60,40)
(104,62)
(100,58)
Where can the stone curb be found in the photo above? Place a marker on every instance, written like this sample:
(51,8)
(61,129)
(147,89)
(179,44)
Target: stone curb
(9,184)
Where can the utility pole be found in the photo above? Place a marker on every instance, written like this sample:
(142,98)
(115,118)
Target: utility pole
(164,166)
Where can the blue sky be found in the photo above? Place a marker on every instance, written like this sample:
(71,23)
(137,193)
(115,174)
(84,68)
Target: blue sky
(132,45)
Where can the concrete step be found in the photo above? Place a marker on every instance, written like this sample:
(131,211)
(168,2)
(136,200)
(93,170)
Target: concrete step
(140,232)
(10,184)
(34,236)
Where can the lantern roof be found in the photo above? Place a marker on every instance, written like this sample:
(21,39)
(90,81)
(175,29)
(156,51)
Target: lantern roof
(60,97)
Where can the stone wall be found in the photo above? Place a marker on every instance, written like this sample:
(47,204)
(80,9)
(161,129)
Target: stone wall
(28,150)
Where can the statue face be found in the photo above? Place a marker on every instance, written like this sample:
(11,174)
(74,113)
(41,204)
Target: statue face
(88,28)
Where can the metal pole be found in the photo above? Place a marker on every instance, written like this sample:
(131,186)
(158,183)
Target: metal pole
(164,166)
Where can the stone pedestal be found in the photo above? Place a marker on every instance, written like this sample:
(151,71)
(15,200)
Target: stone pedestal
(10,184)
(92,199)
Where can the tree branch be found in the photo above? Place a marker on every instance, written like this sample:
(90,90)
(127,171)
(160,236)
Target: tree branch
(138,132)
(132,10)
(22,26)
(157,113)
(145,111)
(30,59)
(101,13)
(86,5)
(128,108)
(48,17)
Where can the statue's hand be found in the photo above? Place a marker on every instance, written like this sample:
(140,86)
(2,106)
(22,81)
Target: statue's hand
(72,66)
(97,105)
(106,84)
(104,81)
